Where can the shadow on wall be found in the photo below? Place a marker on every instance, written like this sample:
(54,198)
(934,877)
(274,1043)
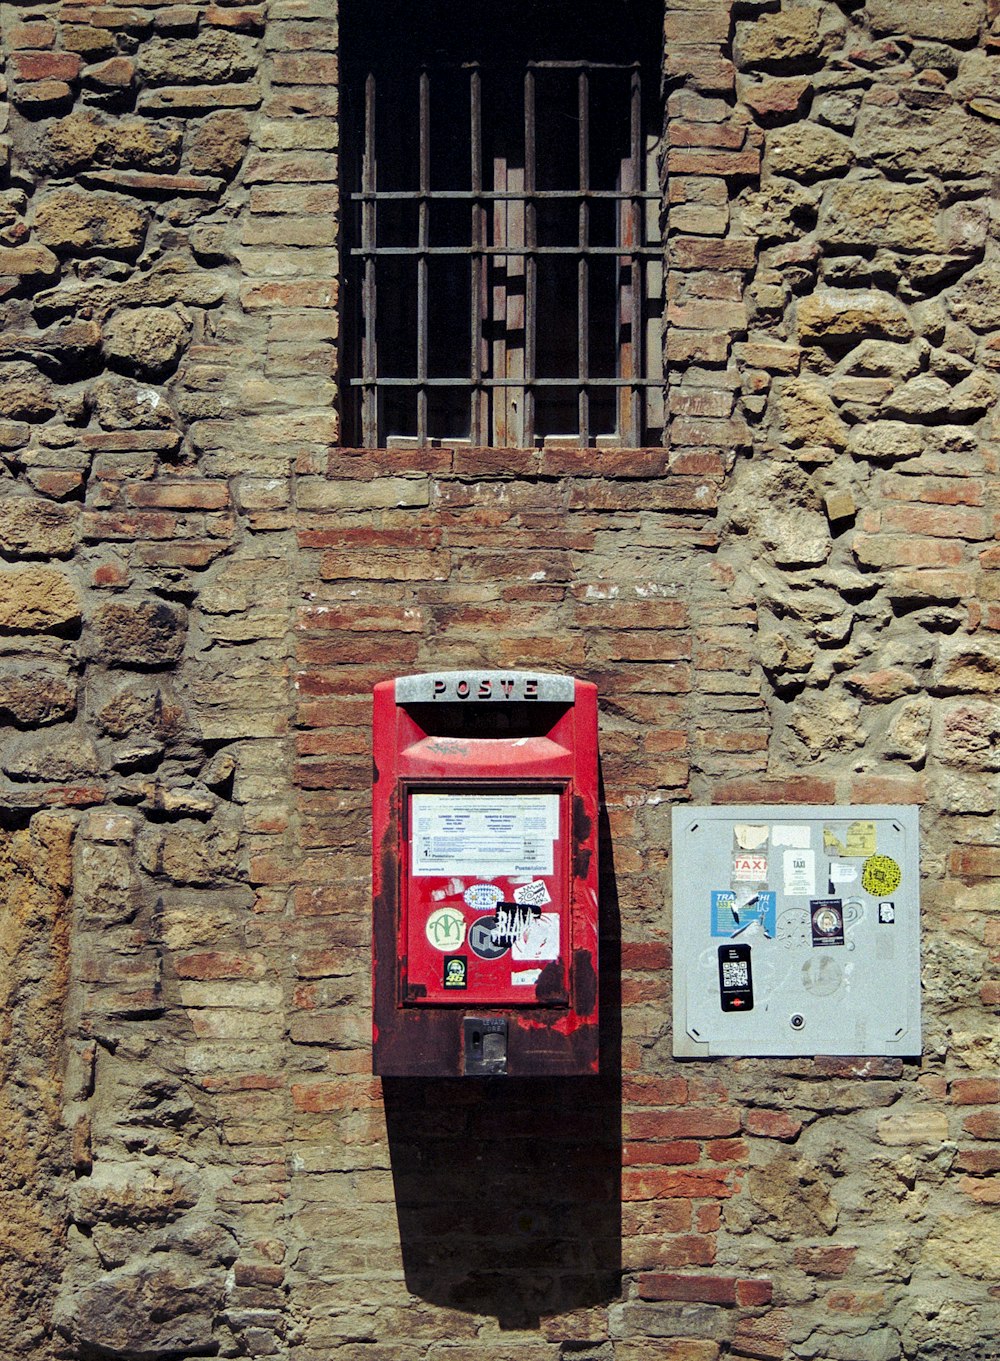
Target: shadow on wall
(508,1190)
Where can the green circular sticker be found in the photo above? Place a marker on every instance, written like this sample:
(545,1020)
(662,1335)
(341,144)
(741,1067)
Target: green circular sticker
(880,875)
(445,929)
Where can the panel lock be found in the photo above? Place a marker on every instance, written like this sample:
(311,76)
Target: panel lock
(485,1045)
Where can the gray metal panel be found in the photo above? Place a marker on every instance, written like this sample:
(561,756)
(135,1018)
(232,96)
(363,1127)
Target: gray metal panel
(856,992)
(504,687)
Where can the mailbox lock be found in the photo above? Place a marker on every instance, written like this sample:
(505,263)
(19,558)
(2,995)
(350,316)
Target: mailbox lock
(797,1020)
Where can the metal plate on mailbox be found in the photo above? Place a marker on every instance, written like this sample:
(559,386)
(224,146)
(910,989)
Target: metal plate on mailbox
(823,904)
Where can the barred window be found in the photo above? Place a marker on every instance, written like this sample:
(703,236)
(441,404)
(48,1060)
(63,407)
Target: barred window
(503,261)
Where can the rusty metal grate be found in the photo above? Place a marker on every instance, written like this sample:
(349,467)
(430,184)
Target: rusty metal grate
(507,256)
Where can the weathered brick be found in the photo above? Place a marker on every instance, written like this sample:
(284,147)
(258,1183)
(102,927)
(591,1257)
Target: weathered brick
(975,861)
(772,1124)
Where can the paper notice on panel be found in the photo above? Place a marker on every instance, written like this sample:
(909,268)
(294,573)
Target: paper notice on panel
(750,836)
(856,843)
(800,873)
(784,835)
(483,834)
(841,873)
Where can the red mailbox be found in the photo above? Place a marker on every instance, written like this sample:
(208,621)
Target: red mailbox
(485,875)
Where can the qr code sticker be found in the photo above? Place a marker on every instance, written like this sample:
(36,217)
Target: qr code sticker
(735,974)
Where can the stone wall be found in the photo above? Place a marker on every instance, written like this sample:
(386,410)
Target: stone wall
(795,601)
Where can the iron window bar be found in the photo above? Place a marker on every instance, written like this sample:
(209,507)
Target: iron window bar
(521,257)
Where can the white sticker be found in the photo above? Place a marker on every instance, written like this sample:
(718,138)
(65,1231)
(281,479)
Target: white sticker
(800,873)
(452,887)
(534,894)
(525,978)
(750,837)
(538,938)
(483,834)
(841,873)
(749,869)
(784,835)
(482,897)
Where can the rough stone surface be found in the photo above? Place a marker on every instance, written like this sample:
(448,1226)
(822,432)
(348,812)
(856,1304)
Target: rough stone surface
(842,316)
(83,223)
(952,20)
(32,695)
(212,57)
(61,758)
(37,599)
(35,881)
(35,527)
(146,340)
(142,633)
(25,393)
(219,143)
(792,33)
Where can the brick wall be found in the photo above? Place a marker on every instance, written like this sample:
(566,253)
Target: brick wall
(794,601)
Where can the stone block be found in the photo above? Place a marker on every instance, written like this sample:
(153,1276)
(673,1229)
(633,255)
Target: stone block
(37,599)
(948,21)
(34,527)
(88,223)
(139,633)
(164,1306)
(808,151)
(218,143)
(61,758)
(842,317)
(28,262)
(147,340)
(211,58)
(25,393)
(787,35)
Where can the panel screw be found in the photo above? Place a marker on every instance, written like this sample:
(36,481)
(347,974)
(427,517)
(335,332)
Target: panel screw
(797,1021)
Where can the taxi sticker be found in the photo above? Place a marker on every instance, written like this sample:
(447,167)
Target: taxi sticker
(749,869)
(881,876)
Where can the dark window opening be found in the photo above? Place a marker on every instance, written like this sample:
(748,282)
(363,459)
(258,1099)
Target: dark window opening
(503,266)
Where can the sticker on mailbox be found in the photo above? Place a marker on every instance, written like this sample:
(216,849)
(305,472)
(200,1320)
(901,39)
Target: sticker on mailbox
(481,939)
(446,929)
(538,939)
(534,894)
(456,971)
(483,897)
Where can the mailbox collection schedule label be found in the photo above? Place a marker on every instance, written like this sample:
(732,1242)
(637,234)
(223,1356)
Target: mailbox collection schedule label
(483,834)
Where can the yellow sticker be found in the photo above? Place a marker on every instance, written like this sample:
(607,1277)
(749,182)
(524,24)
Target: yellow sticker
(880,875)
(859,841)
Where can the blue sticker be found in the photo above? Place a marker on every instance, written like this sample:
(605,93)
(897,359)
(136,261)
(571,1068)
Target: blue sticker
(733,912)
